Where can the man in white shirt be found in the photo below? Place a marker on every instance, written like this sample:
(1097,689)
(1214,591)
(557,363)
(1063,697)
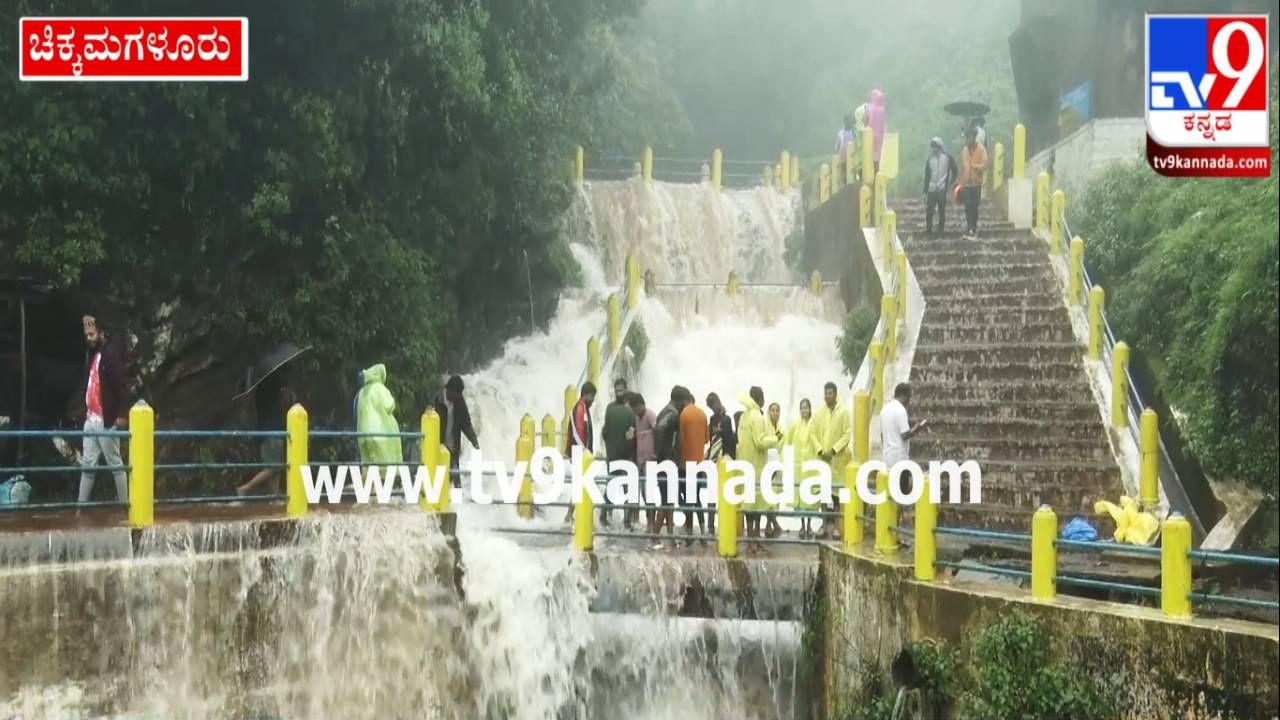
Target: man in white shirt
(895,430)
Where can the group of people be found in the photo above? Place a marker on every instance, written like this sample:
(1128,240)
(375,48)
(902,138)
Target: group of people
(682,433)
(944,178)
(870,114)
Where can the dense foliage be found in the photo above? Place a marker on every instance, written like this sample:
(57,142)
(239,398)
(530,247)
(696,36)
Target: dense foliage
(387,186)
(855,336)
(1190,267)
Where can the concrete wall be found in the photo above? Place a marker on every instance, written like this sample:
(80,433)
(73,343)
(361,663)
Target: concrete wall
(1194,670)
(1091,149)
(833,244)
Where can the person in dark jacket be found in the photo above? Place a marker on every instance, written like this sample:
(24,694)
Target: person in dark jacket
(619,436)
(666,445)
(723,441)
(106,400)
(455,421)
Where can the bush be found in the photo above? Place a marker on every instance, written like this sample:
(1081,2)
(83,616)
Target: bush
(637,342)
(855,336)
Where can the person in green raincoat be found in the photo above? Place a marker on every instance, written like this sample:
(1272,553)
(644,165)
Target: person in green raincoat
(755,438)
(804,446)
(375,413)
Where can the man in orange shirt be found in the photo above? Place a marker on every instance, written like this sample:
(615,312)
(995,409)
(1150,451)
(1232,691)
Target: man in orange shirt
(973,166)
(693,443)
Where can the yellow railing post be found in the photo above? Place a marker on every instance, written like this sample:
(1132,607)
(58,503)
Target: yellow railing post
(1120,385)
(877,200)
(142,465)
(815,283)
(614,315)
(777,177)
(733,286)
(446,489)
(646,164)
(579,165)
(875,351)
(861,426)
(889,311)
(1149,477)
(1059,206)
(726,515)
(900,267)
(854,529)
(850,161)
(1019,151)
(997,167)
(784,171)
(1175,567)
(824,183)
(430,454)
(837,174)
(866,144)
(548,435)
(926,545)
(295,457)
(886,518)
(717,163)
(864,206)
(1075,273)
(524,454)
(1097,299)
(795,172)
(584,511)
(886,246)
(1044,554)
(570,399)
(1042,202)
(593,360)
(633,282)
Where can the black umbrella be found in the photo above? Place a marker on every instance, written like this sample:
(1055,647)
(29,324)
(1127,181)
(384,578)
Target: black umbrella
(278,357)
(967,108)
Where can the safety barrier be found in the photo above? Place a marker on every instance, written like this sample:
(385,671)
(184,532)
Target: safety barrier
(782,174)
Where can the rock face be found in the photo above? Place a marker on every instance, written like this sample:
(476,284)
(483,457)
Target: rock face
(1000,375)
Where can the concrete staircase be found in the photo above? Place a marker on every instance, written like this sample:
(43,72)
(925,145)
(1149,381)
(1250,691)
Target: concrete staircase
(999,373)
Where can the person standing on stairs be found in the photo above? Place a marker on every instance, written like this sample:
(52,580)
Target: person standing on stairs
(973,167)
(845,141)
(896,431)
(876,120)
(939,175)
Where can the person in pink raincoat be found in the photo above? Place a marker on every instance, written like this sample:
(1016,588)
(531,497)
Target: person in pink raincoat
(876,121)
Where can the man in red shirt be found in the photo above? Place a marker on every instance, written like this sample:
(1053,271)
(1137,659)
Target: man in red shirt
(106,407)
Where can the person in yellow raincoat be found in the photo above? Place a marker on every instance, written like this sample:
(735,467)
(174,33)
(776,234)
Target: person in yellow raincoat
(799,437)
(755,438)
(832,430)
(772,528)
(375,413)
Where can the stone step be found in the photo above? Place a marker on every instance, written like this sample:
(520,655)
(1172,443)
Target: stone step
(1039,269)
(988,372)
(1027,448)
(999,330)
(925,254)
(990,314)
(1024,412)
(1026,351)
(988,300)
(995,393)
(986,241)
(959,289)
(1071,499)
(1064,424)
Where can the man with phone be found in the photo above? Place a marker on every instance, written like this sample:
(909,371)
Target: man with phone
(896,431)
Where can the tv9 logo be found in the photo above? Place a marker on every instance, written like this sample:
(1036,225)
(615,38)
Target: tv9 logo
(1207,95)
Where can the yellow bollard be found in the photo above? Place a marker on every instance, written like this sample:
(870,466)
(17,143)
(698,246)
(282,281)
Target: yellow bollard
(866,144)
(1120,385)
(570,399)
(583,512)
(633,282)
(837,174)
(1059,206)
(861,426)
(1149,477)
(717,163)
(889,312)
(1019,151)
(1097,299)
(997,167)
(886,246)
(875,350)
(850,161)
(1044,554)
(1075,273)
(614,314)
(296,457)
(815,283)
(430,455)
(142,465)
(726,516)
(824,183)
(524,454)
(878,198)
(864,206)
(593,360)
(646,164)
(1042,202)
(854,529)
(548,435)
(1175,567)
(886,519)
(795,172)
(926,544)
(579,165)
(446,490)
(734,283)
(784,171)
(900,266)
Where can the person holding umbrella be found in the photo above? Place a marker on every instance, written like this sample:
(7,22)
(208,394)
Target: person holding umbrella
(272,399)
